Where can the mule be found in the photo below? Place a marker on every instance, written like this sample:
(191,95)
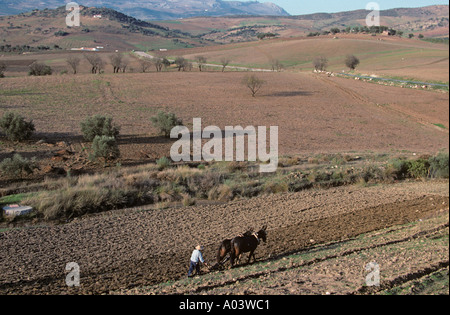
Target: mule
(247,244)
(225,249)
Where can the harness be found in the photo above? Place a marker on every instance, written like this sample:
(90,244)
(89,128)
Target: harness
(257,238)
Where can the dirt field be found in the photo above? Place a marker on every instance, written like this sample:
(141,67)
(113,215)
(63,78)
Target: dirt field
(135,248)
(339,267)
(316,114)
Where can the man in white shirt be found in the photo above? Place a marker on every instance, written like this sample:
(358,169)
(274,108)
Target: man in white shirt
(196,258)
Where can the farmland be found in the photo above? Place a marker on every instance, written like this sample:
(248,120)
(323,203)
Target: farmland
(339,200)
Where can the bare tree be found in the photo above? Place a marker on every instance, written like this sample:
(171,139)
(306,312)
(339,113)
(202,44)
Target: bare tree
(181,63)
(96,62)
(145,64)
(158,63)
(352,62)
(253,83)
(224,61)
(276,65)
(201,60)
(124,65)
(3,67)
(320,63)
(73,62)
(166,63)
(116,61)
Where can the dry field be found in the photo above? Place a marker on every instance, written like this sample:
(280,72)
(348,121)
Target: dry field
(121,250)
(316,114)
(311,233)
(382,55)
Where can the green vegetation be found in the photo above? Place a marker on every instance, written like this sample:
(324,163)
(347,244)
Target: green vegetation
(39,69)
(165,122)
(105,147)
(98,125)
(439,165)
(18,166)
(164,182)
(440,126)
(15,127)
(436,40)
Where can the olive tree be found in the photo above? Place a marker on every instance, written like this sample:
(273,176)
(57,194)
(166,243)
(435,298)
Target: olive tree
(253,83)
(352,62)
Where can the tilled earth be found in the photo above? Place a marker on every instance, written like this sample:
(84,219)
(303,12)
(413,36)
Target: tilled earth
(131,248)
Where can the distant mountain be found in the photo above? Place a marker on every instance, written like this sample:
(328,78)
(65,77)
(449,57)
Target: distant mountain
(155,9)
(421,12)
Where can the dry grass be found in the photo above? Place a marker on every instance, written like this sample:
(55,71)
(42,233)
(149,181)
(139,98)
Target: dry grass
(121,188)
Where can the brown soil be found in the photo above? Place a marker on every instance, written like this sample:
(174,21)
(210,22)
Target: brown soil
(130,248)
(315,114)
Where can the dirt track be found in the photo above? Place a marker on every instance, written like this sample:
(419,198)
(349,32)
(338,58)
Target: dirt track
(125,249)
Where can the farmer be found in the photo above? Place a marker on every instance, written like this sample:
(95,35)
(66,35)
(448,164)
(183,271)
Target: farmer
(196,258)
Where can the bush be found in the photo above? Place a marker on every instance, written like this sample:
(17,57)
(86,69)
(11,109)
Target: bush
(352,62)
(253,83)
(418,169)
(439,166)
(105,147)
(163,163)
(397,169)
(77,201)
(3,67)
(99,126)
(17,166)
(39,69)
(15,127)
(320,63)
(165,122)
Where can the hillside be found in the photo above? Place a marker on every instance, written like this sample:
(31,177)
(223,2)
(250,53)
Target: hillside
(113,31)
(157,9)
(119,31)
(432,21)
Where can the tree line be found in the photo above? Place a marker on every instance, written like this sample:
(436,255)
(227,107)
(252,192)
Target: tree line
(358,29)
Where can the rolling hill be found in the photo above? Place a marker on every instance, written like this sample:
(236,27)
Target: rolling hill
(103,27)
(156,9)
(431,21)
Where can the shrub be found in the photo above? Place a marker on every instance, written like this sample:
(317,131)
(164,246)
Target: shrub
(418,168)
(165,122)
(73,202)
(397,169)
(99,126)
(163,163)
(352,62)
(17,166)
(439,166)
(15,127)
(40,69)
(275,186)
(320,63)
(253,83)
(3,67)
(105,147)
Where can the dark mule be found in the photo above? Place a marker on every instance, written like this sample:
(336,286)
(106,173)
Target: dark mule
(247,243)
(225,249)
